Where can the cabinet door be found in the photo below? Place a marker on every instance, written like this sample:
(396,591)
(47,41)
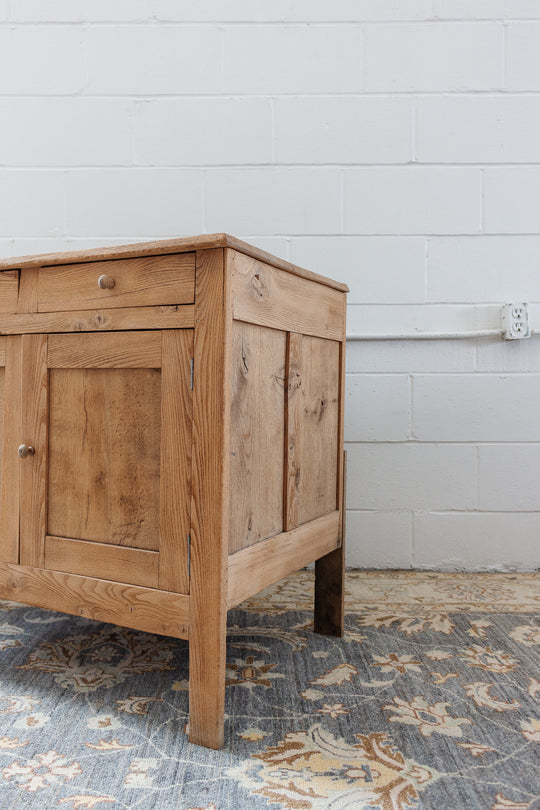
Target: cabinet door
(106,492)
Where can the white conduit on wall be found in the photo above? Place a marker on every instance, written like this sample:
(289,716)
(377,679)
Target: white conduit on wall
(433,335)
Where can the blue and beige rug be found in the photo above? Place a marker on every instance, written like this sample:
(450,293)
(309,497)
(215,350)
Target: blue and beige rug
(430,701)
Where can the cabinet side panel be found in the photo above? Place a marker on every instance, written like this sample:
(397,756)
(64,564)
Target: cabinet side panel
(313,404)
(257,434)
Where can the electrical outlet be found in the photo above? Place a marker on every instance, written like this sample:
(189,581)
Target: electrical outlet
(515,321)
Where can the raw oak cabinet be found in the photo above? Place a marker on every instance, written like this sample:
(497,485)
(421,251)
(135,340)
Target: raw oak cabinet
(171,440)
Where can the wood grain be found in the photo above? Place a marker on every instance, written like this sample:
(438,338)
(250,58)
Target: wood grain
(108,320)
(257,434)
(255,568)
(313,402)
(33,469)
(175,475)
(270,297)
(9,290)
(210,503)
(28,290)
(293,432)
(141,281)
(104,455)
(11,432)
(91,350)
(117,563)
(133,606)
(166,246)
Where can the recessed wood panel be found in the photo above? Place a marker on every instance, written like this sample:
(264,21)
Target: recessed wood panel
(257,434)
(313,401)
(104,455)
(143,281)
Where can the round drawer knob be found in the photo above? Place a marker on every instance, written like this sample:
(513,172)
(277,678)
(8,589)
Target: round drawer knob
(24,450)
(105,283)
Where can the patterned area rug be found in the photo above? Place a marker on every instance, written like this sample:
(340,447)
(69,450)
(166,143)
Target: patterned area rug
(430,701)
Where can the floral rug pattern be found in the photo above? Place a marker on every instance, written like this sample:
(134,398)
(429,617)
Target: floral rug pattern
(430,701)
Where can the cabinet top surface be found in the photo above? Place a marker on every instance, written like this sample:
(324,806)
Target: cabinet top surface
(162,247)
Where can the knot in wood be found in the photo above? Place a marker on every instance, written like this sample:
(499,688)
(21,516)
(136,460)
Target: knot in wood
(258,286)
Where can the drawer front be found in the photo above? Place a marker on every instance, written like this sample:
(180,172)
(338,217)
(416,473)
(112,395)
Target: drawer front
(138,282)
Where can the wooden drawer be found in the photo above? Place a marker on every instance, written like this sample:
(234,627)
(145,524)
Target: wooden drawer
(143,281)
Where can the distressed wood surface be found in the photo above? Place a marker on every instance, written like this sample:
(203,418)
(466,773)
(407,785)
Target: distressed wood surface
(136,282)
(257,434)
(293,432)
(313,403)
(255,568)
(210,503)
(10,435)
(28,291)
(117,563)
(133,606)
(166,317)
(9,290)
(104,455)
(175,473)
(33,469)
(270,297)
(166,246)
(91,350)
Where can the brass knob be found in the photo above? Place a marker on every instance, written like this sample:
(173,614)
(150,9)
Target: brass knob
(105,283)
(25,450)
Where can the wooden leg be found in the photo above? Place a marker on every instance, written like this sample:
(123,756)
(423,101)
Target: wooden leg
(329,594)
(330,583)
(207,685)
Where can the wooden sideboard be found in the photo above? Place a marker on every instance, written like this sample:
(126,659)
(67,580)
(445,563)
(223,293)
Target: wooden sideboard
(171,440)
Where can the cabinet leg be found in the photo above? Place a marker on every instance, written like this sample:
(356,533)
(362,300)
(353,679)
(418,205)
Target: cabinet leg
(207,687)
(330,582)
(329,593)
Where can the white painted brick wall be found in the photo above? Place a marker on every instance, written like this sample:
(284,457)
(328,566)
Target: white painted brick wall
(203,131)
(392,144)
(478,129)
(344,130)
(523,56)
(512,199)
(434,57)
(412,200)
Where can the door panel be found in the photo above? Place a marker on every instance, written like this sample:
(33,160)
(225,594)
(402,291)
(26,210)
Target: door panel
(104,455)
(117,416)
